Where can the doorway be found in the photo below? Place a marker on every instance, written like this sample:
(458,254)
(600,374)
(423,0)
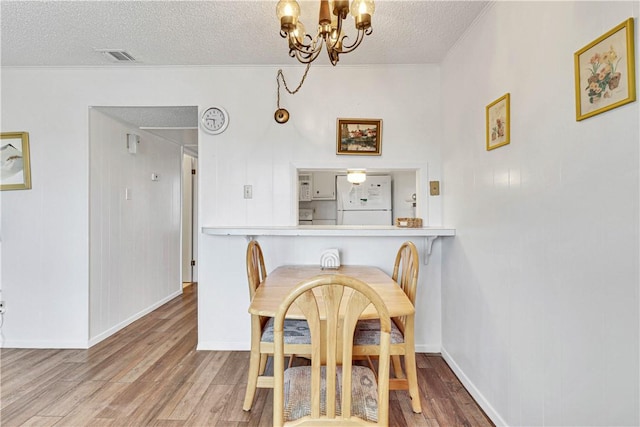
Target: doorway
(189,220)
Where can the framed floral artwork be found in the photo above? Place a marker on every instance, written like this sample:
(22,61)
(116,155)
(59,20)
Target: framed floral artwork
(498,122)
(359,136)
(605,72)
(15,170)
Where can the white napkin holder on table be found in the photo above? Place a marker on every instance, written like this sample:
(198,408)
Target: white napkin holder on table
(330,259)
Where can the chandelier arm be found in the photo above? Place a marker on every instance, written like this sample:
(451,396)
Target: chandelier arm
(306,49)
(305,53)
(305,57)
(356,43)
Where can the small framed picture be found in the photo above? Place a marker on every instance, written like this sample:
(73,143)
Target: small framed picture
(605,72)
(359,137)
(15,172)
(498,122)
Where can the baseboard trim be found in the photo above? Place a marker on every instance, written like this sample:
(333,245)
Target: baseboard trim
(223,346)
(428,348)
(41,345)
(473,390)
(106,334)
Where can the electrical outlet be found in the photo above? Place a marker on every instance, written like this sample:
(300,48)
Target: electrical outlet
(248,192)
(2,307)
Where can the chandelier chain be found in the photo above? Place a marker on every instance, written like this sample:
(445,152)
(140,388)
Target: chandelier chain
(281,75)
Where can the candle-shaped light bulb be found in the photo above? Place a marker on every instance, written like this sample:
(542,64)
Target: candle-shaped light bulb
(299,32)
(288,12)
(359,7)
(362,10)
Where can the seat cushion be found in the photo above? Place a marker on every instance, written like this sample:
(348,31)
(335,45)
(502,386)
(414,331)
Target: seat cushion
(368,333)
(295,332)
(297,393)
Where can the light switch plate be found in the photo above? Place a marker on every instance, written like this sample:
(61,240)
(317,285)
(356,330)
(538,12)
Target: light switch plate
(434,188)
(248,192)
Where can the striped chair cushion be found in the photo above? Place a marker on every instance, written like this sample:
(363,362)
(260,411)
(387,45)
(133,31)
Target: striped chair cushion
(297,393)
(368,333)
(295,332)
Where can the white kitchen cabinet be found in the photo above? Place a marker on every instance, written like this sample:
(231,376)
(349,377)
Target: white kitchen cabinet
(324,186)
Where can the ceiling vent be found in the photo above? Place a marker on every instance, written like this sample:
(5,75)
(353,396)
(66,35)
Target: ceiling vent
(117,55)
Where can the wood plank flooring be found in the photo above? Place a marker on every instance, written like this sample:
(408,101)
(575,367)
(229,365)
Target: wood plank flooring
(149,374)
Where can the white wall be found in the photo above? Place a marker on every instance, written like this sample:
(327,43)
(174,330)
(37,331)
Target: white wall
(540,285)
(266,156)
(45,269)
(135,245)
(45,231)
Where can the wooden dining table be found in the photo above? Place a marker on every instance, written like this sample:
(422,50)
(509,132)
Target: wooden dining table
(283,279)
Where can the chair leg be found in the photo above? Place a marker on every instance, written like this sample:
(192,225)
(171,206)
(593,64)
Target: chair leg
(412,374)
(263,363)
(371,366)
(397,366)
(255,362)
(410,366)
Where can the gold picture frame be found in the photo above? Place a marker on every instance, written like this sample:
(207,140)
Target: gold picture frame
(498,122)
(16,169)
(605,72)
(361,137)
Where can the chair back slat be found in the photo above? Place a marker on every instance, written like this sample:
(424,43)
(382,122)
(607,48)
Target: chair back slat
(308,306)
(357,305)
(332,297)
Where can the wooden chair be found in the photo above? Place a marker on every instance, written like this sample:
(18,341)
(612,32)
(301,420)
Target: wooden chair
(366,339)
(405,274)
(331,391)
(297,331)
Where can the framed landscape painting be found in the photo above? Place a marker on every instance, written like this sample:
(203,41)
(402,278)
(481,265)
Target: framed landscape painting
(605,72)
(359,136)
(15,170)
(498,122)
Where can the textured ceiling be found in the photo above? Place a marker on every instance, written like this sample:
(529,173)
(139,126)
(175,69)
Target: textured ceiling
(162,117)
(68,33)
(222,32)
(176,124)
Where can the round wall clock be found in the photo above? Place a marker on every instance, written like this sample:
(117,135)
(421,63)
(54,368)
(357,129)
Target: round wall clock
(214,120)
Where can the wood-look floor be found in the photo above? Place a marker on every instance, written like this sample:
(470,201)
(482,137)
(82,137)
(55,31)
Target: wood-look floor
(149,374)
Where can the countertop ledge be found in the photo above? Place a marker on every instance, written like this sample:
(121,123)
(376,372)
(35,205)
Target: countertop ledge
(329,230)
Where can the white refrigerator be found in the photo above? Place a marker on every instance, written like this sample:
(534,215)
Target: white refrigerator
(368,203)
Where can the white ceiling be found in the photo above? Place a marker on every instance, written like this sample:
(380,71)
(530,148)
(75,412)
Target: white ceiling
(219,32)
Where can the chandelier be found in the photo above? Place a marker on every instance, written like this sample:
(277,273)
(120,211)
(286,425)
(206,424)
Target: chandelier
(330,33)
